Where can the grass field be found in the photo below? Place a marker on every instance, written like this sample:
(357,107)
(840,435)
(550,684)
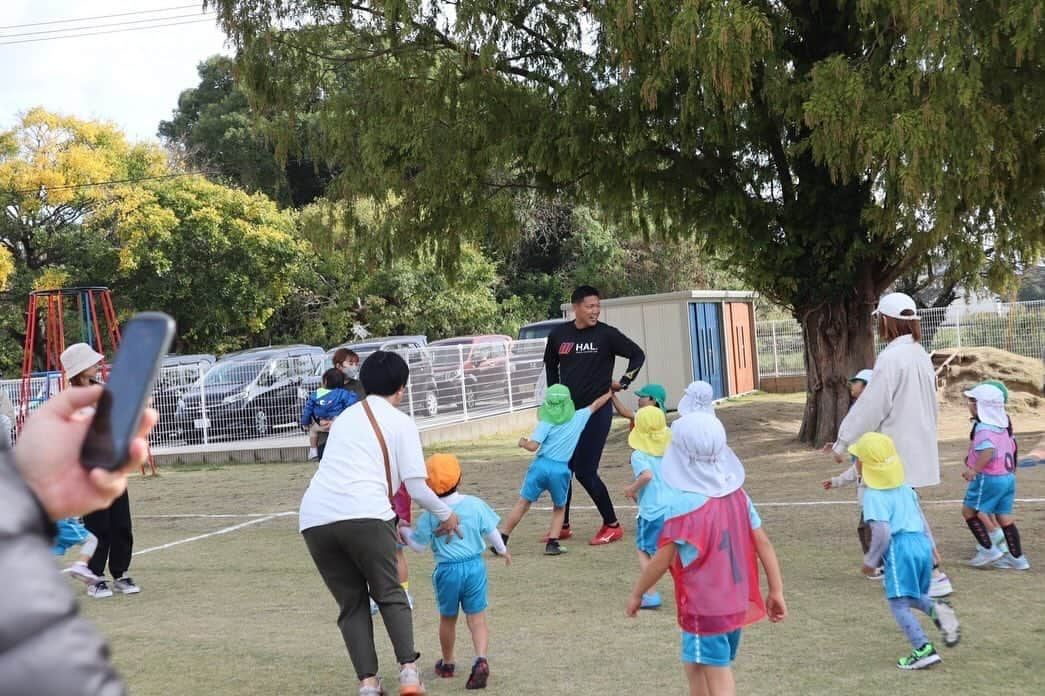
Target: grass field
(244,612)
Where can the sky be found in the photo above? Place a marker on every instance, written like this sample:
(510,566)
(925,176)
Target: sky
(131,76)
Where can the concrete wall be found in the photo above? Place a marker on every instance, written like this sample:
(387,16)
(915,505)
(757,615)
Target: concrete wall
(783,385)
(296,449)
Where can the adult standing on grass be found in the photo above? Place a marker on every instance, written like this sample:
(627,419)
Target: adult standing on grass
(45,646)
(581,355)
(901,402)
(112,526)
(349,524)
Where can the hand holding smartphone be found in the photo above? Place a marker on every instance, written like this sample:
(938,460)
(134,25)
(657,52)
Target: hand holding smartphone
(146,339)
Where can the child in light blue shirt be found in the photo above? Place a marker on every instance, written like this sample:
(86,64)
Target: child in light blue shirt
(459,578)
(649,439)
(553,440)
(900,543)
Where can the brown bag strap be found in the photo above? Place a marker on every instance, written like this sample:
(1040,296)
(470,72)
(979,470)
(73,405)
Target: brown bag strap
(384,451)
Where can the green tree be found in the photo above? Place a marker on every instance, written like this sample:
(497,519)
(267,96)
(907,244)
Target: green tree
(820,149)
(214,130)
(219,260)
(82,206)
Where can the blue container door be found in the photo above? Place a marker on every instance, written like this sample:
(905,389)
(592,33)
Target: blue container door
(708,364)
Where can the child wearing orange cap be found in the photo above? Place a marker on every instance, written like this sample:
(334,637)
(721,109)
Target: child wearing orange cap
(460,572)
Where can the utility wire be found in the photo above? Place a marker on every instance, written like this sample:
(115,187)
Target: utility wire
(100,26)
(108,16)
(108,31)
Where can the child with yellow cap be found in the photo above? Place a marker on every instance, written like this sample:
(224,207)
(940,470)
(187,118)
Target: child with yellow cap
(553,440)
(901,544)
(459,577)
(649,439)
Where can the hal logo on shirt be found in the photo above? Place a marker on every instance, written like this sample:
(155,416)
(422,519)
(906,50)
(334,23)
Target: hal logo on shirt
(577,348)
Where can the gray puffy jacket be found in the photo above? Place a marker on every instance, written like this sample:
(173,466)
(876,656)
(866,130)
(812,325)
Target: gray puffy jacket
(45,647)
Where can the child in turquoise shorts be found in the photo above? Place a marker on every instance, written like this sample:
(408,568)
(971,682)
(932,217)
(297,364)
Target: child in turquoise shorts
(710,542)
(990,471)
(649,439)
(553,440)
(460,572)
(71,532)
(900,543)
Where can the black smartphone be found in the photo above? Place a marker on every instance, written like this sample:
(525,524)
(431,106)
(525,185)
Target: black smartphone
(146,339)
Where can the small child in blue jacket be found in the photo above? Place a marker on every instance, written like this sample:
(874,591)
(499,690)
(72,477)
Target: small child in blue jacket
(323,406)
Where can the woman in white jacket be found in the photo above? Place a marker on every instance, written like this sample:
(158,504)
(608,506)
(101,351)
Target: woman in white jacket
(901,402)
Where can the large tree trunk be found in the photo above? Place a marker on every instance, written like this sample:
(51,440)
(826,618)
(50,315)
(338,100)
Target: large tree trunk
(839,341)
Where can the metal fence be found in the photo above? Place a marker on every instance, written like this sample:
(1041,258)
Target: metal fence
(1018,327)
(253,399)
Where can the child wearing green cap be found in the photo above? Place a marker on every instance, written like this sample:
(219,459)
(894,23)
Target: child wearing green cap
(553,441)
(649,395)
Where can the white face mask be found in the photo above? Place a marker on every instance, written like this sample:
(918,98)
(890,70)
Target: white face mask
(352,371)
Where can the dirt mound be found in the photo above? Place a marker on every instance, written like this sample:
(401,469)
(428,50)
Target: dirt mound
(1022,376)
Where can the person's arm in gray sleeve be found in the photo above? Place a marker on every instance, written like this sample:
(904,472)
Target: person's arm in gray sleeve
(881,536)
(45,646)
(626,348)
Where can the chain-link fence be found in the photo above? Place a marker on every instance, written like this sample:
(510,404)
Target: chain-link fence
(261,394)
(1018,327)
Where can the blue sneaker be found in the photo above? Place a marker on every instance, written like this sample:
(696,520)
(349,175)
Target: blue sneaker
(650,601)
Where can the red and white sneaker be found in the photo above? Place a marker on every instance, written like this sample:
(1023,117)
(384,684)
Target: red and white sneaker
(607,535)
(566,533)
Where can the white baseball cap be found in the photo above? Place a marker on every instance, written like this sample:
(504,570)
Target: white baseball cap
(895,304)
(79,357)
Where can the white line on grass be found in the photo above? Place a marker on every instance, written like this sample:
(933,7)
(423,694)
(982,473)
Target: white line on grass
(786,503)
(204,515)
(225,530)
(260,517)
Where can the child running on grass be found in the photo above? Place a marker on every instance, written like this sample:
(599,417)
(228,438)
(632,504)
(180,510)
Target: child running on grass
(402,504)
(649,439)
(709,543)
(901,544)
(990,471)
(71,532)
(850,476)
(649,395)
(553,441)
(460,572)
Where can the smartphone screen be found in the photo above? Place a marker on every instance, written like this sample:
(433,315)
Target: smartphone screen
(146,339)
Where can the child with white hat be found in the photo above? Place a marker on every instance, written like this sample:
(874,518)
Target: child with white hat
(990,471)
(709,543)
(857,384)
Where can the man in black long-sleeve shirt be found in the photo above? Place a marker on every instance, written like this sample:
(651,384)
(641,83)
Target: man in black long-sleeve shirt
(581,354)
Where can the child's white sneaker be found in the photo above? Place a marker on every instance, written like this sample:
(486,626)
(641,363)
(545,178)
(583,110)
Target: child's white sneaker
(940,585)
(984,557)
(81,572)
(1010,562)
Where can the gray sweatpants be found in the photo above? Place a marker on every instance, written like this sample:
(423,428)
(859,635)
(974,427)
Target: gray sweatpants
(357,560)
